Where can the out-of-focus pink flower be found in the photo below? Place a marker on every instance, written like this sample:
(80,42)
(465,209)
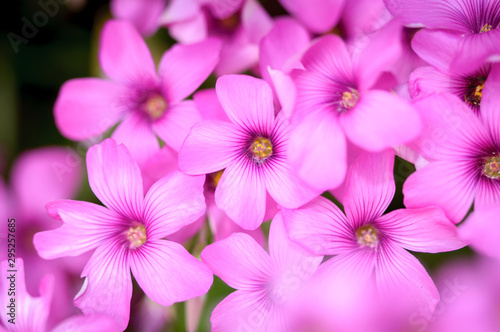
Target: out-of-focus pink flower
(31,313)
(482,232)
(148,103)
(370,246)
(128,235)
(265,283)
(460,34)
(339,98)
(251,149)
(463,155)
(319,16)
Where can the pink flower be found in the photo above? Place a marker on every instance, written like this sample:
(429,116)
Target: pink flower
(265,283)
(370,246)
(460,34)
(482,232)
(148,103)
(127,235)
(339,98)
(463,154)
(252,151)
(319,16)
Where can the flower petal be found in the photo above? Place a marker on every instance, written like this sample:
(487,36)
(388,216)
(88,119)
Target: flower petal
(136,133)
(476,49)
(436,47)
(123,54)
(320,227)
(481,230)
(187,277)
(423,230)
(144,18)
(381,120)
(86,107)
(173,202)
(184,67)
(435,185)
(248,102)
(223,8)
(427,80)
(241,193)
(210,147)
(107,289)
(490,107)
(488,193)
(115,178)
(209,106)
(86,226)
(370,187)
(80,323)
(239,261)
(317,15)
(175,125)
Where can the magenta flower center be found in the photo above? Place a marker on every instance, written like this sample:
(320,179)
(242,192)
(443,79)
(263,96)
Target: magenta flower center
(485,28)
(473,98)
(136,236)
(261,148)
(491,167)
(367,236)
(349,99)
(155,106)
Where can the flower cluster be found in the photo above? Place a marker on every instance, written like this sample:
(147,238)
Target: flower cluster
(263,150)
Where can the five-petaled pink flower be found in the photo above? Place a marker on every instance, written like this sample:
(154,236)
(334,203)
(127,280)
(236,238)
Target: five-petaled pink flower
(251,149)
(128,235)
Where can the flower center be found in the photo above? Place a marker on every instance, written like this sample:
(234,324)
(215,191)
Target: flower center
(485,28)
(491,167)
(367,236)
(474,97)
(231,22)
(155,106)
(349,99)
(261,148)
(136,236)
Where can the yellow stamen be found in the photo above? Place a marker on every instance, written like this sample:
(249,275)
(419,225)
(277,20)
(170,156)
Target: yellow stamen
(261,148)
(349,99)
(136,236)
(487,27)
(155,107)
(491,167)
(367,236)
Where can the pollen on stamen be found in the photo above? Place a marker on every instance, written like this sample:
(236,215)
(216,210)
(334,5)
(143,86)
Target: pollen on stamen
(491,167)
(261,148)
(155,107)
(367,236)
(485,28)
(136,236)
(349,99)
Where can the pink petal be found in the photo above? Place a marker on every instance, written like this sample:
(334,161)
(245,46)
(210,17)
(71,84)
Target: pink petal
(239,261)
(86,107)
(427,80)
(80,323)
(241,193)
(179,10)
(187,277)
(173,202)
(190,31)
(107,289)
(285,90)
(86,226)
(319,16)
(326,142)
(209,106)
(423,230)
(255,21)
(115,178)
(123,54)
(475,49)
(30,313)
(386,42)
(210,147)
(288,256)
(143,17)
(43,175)
(175,125)
(320,227)
(436,47)
(490,108)
(160,164)
(451,130)
(184,67)
(481,230)
(245,310)
(370,187)
(222,8)
(136,133)
(488,193)
(248,101)
(381,120)
(402,279)
(435,185)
